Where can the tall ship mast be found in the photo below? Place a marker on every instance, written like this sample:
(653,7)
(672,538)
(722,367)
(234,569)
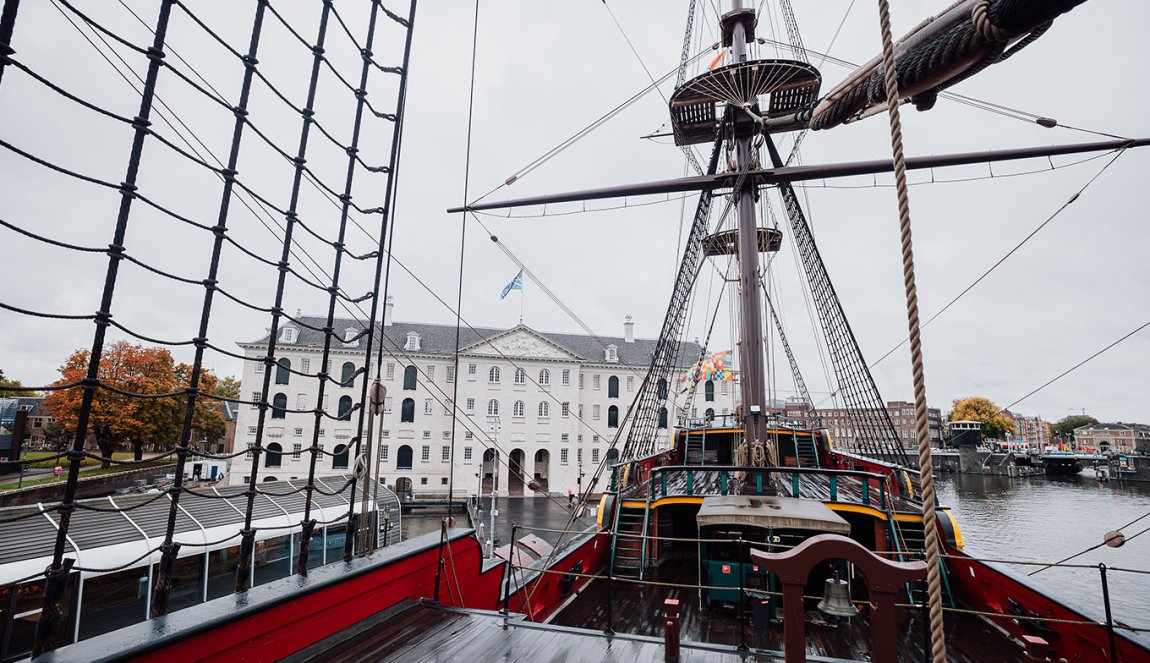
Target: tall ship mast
(754,534)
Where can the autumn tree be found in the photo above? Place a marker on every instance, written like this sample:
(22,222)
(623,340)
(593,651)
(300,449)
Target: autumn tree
(996,425)
(13,388)
(1066,425)
(228,387)
(117,419)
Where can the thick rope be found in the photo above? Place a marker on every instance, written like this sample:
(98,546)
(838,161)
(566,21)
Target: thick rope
(926,476)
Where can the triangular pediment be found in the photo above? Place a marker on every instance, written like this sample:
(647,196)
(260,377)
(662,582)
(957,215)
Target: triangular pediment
(522,342)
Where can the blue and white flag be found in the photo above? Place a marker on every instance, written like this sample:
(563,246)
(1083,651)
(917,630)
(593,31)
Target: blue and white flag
(516,284)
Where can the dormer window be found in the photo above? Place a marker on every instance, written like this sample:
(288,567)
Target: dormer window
(611,354)
(288,335)
(349,336)
(413,342)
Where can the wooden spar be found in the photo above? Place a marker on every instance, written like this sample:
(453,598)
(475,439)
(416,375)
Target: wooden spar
(806,173)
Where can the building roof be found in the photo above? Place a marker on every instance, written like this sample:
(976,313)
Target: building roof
(440,340)
(9,407)
(1144,428)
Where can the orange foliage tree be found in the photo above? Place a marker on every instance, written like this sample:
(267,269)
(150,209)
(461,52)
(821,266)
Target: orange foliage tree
(117,419)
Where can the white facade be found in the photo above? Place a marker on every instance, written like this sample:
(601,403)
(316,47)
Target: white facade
(548,404)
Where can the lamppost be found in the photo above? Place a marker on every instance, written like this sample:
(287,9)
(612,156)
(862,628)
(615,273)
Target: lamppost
(494,483)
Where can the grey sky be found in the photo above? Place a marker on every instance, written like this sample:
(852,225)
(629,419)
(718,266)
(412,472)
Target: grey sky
(545,70)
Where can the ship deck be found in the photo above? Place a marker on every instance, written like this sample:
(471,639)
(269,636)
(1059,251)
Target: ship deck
(426,633)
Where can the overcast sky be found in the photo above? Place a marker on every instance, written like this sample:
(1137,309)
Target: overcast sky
(546,70)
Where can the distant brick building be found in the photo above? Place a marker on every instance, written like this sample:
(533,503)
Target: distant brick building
(1112,437)
(1034,432)
(841,423)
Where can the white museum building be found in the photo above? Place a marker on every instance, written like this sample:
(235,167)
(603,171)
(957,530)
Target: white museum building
(535,406)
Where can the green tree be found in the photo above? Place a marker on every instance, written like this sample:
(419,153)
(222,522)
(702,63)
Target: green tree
(15,386)
(1066,425)
(228,387)
(996,425)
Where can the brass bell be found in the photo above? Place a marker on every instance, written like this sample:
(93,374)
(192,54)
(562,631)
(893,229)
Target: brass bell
(836,599)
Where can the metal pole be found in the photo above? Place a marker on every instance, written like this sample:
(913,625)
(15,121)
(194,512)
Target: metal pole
(1109,616)
(611,586)
(376,395)
(742,599)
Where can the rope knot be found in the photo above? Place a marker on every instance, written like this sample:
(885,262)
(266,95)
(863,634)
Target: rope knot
(980,16)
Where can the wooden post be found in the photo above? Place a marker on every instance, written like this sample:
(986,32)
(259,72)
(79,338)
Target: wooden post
(671,630)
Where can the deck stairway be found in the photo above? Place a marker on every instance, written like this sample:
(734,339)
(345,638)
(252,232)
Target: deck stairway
(629,557)
(805,451)
(694,453)
(909,540)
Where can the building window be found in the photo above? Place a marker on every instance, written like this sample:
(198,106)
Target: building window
(301,401)
(709,414)
(493,407)
(723,387)
(430,372)
(425,454)
(566,379)
(251,430)
(595,382)
(345,408)
(446,454)
(613,417)
(407,410)
(472,369)
(279,406)
(580,415)
(447,435)
(321,433)
(423,481)
(595,411)
(630,383)
(347,377)
(467,454)
(409,378)
(251,452)
(580,380)
(413,342)
(469,435)
(661,389)
(295,449)
(387,404)
(544,409)
(595,456)
(493,375)
(563,456)
(471,405)
(662,417)
(287,335)
(298,432)
(385,434)
(579,456)
(350,336)
(613,387)
(273,455)
(449,406)
(517,409)
(383,453)
(566,408)
(520,376)
(259,368)
(611,354)
(427,406)
(283,371)
(427,435)
(450,374)
(339,460)
(545,377)
(391,371)
(403,458)
(305,365)
(709,390)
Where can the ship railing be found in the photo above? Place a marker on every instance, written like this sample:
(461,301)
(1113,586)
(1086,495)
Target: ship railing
(840,486)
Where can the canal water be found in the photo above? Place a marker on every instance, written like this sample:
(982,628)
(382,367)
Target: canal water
(1045,519)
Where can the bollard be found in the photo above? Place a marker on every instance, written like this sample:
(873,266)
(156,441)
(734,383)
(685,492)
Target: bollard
(671,629)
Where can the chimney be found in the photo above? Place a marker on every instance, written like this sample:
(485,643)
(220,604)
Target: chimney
(629,330)
(387,307)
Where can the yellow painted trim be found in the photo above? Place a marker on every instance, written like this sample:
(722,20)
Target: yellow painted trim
(677,500)
(871,511)
(599,514)
(957,532)
(909,485)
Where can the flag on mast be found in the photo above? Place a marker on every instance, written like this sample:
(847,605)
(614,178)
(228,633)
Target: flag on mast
(516,284)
